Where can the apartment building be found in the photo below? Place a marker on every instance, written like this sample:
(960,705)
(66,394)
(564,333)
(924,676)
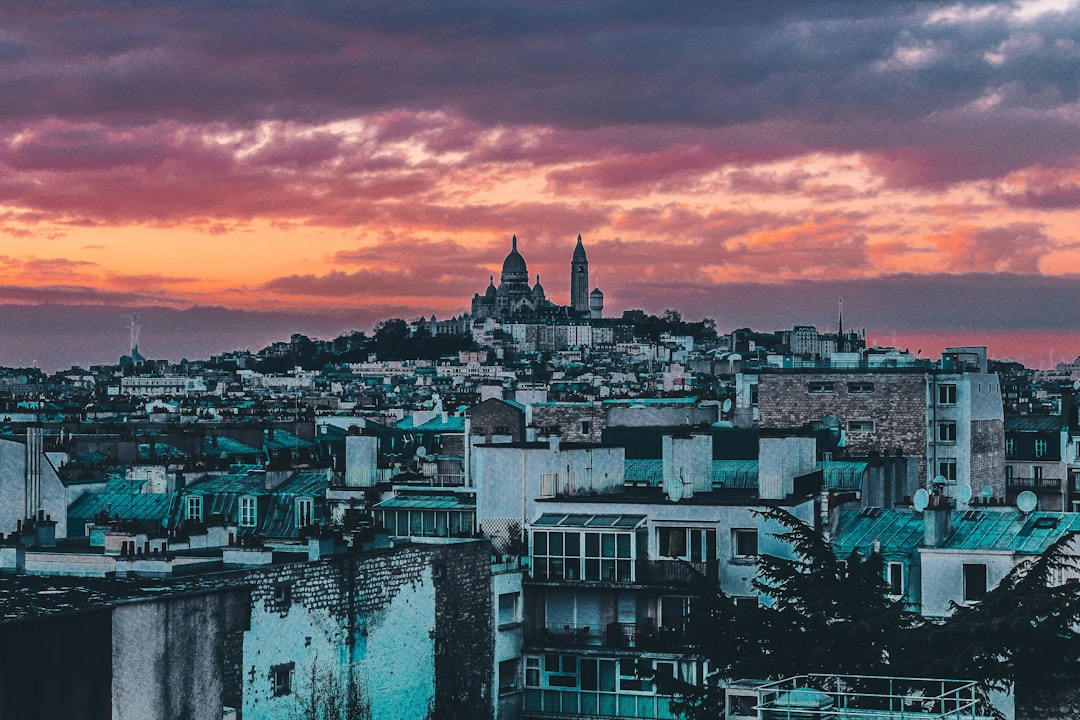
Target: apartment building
(949,419)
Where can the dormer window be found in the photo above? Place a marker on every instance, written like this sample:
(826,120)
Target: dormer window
(247,512)
(305,511)
(194,508)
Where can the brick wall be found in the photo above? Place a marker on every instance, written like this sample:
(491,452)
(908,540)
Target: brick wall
(988,455)
(464,633)
(495,417)
(897,406)
(568,419)
(411,627)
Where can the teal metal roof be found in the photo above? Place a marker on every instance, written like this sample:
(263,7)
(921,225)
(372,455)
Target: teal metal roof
(725,473)
(427,501)
(452,424)
(1033,423)
(735,473)
(901,530)
(623,522)
(1011,530)
(242,481)
(226,445)
(843,474)
(161,450)
(138,506)
(285,440)
(654,401)
(898,531)
(647,470)
(304,483)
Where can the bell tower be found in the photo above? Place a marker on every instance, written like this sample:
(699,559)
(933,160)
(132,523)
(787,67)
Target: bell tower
(579,279)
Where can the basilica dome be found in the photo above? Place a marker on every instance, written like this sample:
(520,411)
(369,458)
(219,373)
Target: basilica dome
(514,269)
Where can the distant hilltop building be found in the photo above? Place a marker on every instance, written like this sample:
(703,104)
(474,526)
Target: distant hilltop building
(514,298)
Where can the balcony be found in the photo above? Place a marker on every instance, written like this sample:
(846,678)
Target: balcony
(665,573)
(614,635)
(1031,483)
(585,703)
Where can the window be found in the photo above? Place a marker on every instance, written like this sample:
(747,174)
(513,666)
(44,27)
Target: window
(281,679)
(946,394)
(247,512)
(630,675)
(946,432)
(860,426)
(742,705)
(586,427)
(1010,446)
(817,388)
(860,388)
(548,484)
(1036,472)
(674,614)
(194,508)
(692,544)
(743,543)
(947,469)
(557,555)
(508,676)
(282,593)
(508,609)
(608,557)
(1009,472)
(974,581)
(532,672)
(1040,447)
(304,512)
(895,578)
(597,675)
(561,670)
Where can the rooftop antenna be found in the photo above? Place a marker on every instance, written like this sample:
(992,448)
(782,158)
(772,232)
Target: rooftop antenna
(133,327)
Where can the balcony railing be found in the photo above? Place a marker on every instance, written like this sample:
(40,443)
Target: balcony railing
(675,572)
(614,635)
(1031,483)
(648,572)
(585,703)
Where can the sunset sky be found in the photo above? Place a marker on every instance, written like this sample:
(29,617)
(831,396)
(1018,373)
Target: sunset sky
(236,172)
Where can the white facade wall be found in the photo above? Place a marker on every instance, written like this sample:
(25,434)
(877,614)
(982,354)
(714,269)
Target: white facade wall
(942,574)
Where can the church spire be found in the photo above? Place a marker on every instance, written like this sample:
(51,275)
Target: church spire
(579,278)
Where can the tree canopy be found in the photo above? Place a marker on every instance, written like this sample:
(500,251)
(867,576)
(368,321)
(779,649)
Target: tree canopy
(824,614)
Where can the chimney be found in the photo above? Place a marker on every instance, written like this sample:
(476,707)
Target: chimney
(937,521)
(45,532)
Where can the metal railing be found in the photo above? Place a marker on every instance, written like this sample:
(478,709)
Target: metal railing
(614,635)
(622,571)
(1033,483)
(817,697)
(586,703)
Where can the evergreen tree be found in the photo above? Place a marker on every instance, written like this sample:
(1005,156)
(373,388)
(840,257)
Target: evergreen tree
(827,615)
(1021,635)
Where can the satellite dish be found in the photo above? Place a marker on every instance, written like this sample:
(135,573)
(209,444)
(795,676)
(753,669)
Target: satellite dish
(673,488)
(965,493)
(726,407)
(986,493)
(921,499)
(421,452)
(1027,501)
(939,480)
